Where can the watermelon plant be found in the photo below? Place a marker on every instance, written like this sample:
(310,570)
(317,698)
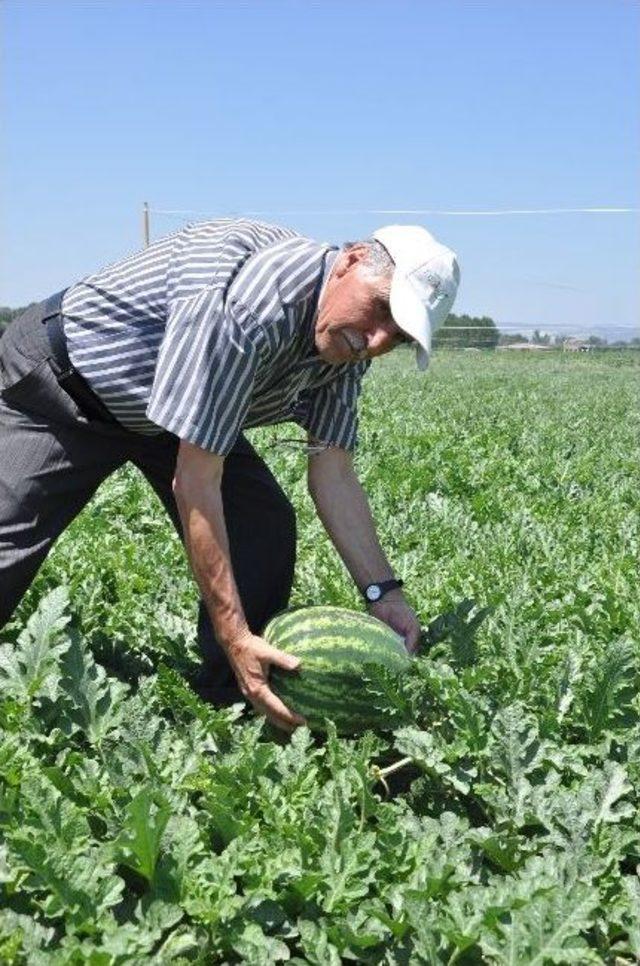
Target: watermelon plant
(493,819)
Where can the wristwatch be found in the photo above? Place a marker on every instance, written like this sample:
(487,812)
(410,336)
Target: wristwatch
(372,593)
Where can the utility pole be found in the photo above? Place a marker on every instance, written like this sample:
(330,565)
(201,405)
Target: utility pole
(145,223)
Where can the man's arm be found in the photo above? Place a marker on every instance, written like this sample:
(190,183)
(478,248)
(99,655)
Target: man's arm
(343,507)
(197,490)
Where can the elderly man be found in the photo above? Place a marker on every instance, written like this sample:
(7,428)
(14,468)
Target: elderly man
(164,359)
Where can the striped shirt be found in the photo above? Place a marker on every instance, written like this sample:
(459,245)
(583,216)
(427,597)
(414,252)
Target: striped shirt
(210,331)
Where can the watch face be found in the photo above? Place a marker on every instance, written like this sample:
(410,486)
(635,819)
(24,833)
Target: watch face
(374,592)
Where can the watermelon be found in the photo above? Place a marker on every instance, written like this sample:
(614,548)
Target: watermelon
(333,644)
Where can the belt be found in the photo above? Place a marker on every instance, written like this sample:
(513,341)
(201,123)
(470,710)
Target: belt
(75,386)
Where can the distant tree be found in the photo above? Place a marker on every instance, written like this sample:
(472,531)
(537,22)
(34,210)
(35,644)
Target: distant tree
(511,338)
(467,332)
(540,338)
(595,340)
(8,315)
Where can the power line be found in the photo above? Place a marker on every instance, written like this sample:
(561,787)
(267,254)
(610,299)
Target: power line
(540,326)
(482,213)
(494,212)
(537,345)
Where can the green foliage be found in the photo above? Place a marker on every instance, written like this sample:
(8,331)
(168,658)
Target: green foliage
(7,315)
(30,669)
(467,332)
(498,823)
(138,845)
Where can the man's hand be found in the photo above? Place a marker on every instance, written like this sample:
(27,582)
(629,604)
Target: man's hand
(250,657)
(394,611)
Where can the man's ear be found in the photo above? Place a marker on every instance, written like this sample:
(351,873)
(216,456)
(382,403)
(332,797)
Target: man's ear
(349,259)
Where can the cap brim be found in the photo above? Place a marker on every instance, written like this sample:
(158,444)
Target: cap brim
(422,358)
(411,315)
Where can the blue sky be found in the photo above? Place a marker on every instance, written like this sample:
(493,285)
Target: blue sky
(316,113)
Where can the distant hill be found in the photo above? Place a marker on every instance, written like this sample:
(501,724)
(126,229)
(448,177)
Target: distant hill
(616,333)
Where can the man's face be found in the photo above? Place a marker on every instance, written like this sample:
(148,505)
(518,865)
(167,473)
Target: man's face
(354,320)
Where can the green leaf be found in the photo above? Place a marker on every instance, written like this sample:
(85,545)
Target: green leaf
(347,871)
(22,938)
(185,706)
(632,895)
(550,928)
(608,688)
(613,786)
(571,676)
(423,748)
(319,951)
(502,847)
(516,749)
(31,668)
(386,693)
(45,810)
(92,701)
(80,887)
(258,949)
(138,845)
(456,626)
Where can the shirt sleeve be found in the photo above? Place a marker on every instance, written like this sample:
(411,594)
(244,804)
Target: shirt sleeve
(205,372)
(330,412)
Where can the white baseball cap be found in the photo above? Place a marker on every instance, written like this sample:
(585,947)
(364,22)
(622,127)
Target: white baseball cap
(424,283)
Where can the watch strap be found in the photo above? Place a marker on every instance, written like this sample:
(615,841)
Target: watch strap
(373,593)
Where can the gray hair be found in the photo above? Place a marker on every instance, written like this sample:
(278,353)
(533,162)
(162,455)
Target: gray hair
(377,261)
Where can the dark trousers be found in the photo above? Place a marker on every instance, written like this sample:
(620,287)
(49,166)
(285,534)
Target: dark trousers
(55,451)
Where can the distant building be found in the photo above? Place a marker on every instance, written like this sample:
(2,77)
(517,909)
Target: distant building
(525,346)
(576,345)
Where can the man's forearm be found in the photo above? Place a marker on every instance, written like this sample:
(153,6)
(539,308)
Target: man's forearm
(197,486)
(207,545)
(343,507)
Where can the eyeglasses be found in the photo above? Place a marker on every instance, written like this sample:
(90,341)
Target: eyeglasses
(311,449)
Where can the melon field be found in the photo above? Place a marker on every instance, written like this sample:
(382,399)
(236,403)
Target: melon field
(495,822)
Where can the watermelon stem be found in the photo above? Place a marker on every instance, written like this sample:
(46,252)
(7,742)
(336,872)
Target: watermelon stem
(380,773)
(389,770)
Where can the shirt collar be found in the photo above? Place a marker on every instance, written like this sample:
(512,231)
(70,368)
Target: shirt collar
(329,261)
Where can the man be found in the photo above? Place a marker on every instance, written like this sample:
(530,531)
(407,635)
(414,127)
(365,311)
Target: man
(163,359)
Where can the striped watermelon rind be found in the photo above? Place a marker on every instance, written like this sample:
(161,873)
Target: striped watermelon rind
(333,645)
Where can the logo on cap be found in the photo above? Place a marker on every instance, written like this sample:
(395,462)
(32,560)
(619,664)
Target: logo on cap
(424,278)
